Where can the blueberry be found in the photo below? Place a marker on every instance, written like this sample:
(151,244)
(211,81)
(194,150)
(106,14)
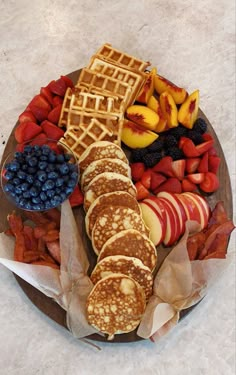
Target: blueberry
(9,187)
(73,167)
(50,167)
(56,200)
(14,166)
(18,155)
(24,186)
(28,205)
(67,157)
(74,175)
(18,190)
(50,193)
(24,167)
(22,202)
(38,207)
(30,178)
(28,149)
(9,175)
(38,184)
(71,183)
(43,196)
(34,191)
(42,165)
(32,170)
(63,196)
(46,150)
(26,194)
(42,176)
(13,194)
(53,175)
(36,200)
(69,190)
(38,153)
(16,181)
(48,185)
(59,182)
(64,169)
(36,148)
(48,205)
(33,161)
(22,175)
(52,157)
(43,158)
(58,190)
(66,178)
(60,158)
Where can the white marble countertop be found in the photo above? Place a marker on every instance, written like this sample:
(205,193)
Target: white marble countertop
(193,44)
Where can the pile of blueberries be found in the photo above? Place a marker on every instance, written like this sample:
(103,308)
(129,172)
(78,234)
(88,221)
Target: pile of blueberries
(39,178)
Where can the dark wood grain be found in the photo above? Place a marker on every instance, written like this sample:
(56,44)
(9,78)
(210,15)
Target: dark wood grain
(49,306)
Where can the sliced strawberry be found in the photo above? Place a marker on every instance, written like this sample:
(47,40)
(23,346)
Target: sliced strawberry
(57,100)
(192,164)
(58,87)
(26,131)
(178,168)
(188,185)
(146,178)
(54,114)
(156,180)
(210,183)
(52,131)
(137,170)
(182,141)
(142,192)
(41,114)
(189,149)
(203,165)
(77,197)
(27,116)
(196,178)
(171,185)
(204,147)
(47,94)
(67,81)
(164,166)
(213,163)
(207,137)
(212,151)
(39,140)
(40,102)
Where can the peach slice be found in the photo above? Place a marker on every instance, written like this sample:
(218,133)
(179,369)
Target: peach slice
(169,109)
(188,111)
(162,84)
(148,87)
(135,136)
(154,104)
(143,116)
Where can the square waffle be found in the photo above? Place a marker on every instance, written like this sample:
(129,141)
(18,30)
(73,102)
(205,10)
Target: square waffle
(110,54)
(134,79)
(78,138)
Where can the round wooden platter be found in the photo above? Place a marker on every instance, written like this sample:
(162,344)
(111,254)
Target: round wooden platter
(47,305)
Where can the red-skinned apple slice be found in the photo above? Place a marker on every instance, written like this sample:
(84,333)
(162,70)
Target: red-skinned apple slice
(178,207)
(203,204)
(156,203)
(203,216)
(153,221)
(171,227)
(178,225)
(190,207)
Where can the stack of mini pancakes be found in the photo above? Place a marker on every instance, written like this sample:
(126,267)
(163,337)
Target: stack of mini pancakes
(94,109)
(123,275)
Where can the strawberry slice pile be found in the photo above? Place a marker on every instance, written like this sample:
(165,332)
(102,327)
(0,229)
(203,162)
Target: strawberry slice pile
(39,120)
(198,169)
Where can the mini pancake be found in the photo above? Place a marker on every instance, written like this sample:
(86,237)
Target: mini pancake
(131,242)
(129,266)
(115,305)
(105,183)
(104,165)
(100,150)
(116,198)
(112,220)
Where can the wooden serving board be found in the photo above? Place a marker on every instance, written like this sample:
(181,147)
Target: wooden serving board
(49,306)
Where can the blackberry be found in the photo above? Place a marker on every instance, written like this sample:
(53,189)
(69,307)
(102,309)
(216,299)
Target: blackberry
(179,131)
(175,153)
(195,136)
(138,154)
(156,145)
(170,141)
(200,126)
(152,159)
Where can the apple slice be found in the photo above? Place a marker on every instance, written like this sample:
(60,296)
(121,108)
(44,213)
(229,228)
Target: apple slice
(153,221)
(190,207)
(204,208)
(171,228)
(178,207)
(158,206)
(178,223)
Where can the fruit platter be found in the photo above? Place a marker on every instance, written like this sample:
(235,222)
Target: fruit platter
(138,162)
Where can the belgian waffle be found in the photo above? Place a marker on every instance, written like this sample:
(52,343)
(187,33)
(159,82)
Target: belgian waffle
(78,138)
(115,305)
(110,54)
(133,79)
(65,108)
(104,84)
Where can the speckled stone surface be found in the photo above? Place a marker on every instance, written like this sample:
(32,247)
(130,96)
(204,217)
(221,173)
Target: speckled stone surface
(193,44)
